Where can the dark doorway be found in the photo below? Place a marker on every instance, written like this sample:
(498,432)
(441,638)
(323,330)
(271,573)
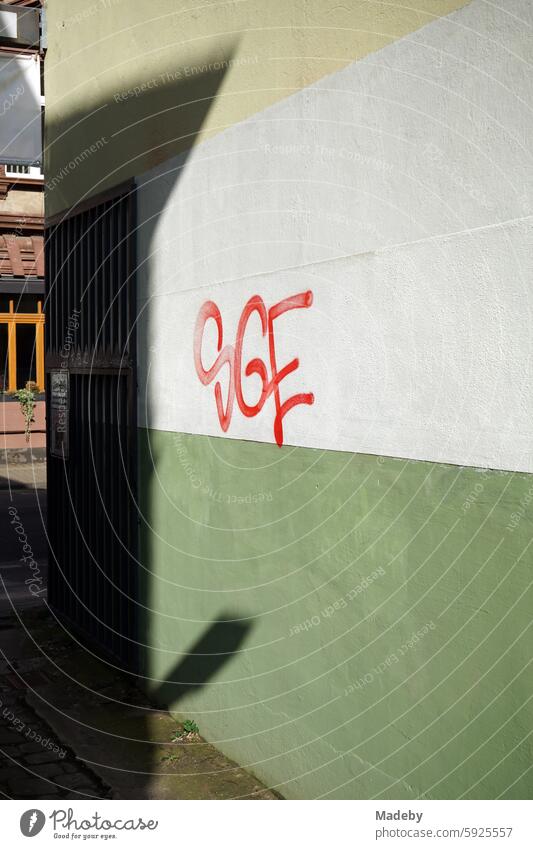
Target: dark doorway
(90,342)
(25,354)
(3,358)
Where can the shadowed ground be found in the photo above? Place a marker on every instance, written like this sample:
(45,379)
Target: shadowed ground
(74,727)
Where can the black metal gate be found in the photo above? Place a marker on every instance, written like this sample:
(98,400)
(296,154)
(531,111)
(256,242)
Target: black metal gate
(91,430)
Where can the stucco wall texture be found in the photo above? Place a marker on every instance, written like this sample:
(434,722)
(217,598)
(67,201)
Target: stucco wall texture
(386,605)
(371,576)
(249,54)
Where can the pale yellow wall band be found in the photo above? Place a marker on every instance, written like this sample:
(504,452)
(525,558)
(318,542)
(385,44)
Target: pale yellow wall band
(117,70)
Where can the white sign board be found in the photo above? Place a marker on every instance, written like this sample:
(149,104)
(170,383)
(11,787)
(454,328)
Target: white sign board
(8,24)
(20,109)
(21,25)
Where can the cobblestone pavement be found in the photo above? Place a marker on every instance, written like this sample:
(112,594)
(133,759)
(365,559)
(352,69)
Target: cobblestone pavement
(30,769)
(33,763)
(74,727)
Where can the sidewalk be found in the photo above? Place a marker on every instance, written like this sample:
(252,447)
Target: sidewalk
(74,727)
(22,475)
(23,549)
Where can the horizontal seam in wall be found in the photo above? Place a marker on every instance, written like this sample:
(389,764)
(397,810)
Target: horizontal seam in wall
(395,458)
(343,257)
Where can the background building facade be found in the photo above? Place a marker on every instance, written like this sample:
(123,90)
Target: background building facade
(21,216)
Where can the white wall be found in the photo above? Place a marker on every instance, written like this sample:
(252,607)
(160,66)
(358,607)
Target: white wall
(396,190)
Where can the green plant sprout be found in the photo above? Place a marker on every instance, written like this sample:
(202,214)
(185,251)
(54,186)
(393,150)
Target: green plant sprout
(26,399)
(189,726)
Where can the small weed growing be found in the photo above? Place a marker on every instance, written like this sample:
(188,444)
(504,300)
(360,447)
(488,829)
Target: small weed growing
(188,731)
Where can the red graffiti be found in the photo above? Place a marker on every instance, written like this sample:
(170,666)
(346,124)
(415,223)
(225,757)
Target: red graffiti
(232,356)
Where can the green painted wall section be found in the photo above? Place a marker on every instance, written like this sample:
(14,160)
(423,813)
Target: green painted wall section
(374,615)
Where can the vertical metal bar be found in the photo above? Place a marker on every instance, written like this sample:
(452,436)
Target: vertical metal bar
(86,318)
(84,543)
(121,280)
(62,280)
(93,442)
(105,285)
(106,537)
(96,296)
(130,424)
(76,270)
(114,565)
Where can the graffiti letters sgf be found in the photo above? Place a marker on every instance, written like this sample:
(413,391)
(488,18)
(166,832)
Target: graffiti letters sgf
(271,375)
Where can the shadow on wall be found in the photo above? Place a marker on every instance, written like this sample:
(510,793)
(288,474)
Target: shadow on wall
(140,130)
(201,663)
(133,130)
